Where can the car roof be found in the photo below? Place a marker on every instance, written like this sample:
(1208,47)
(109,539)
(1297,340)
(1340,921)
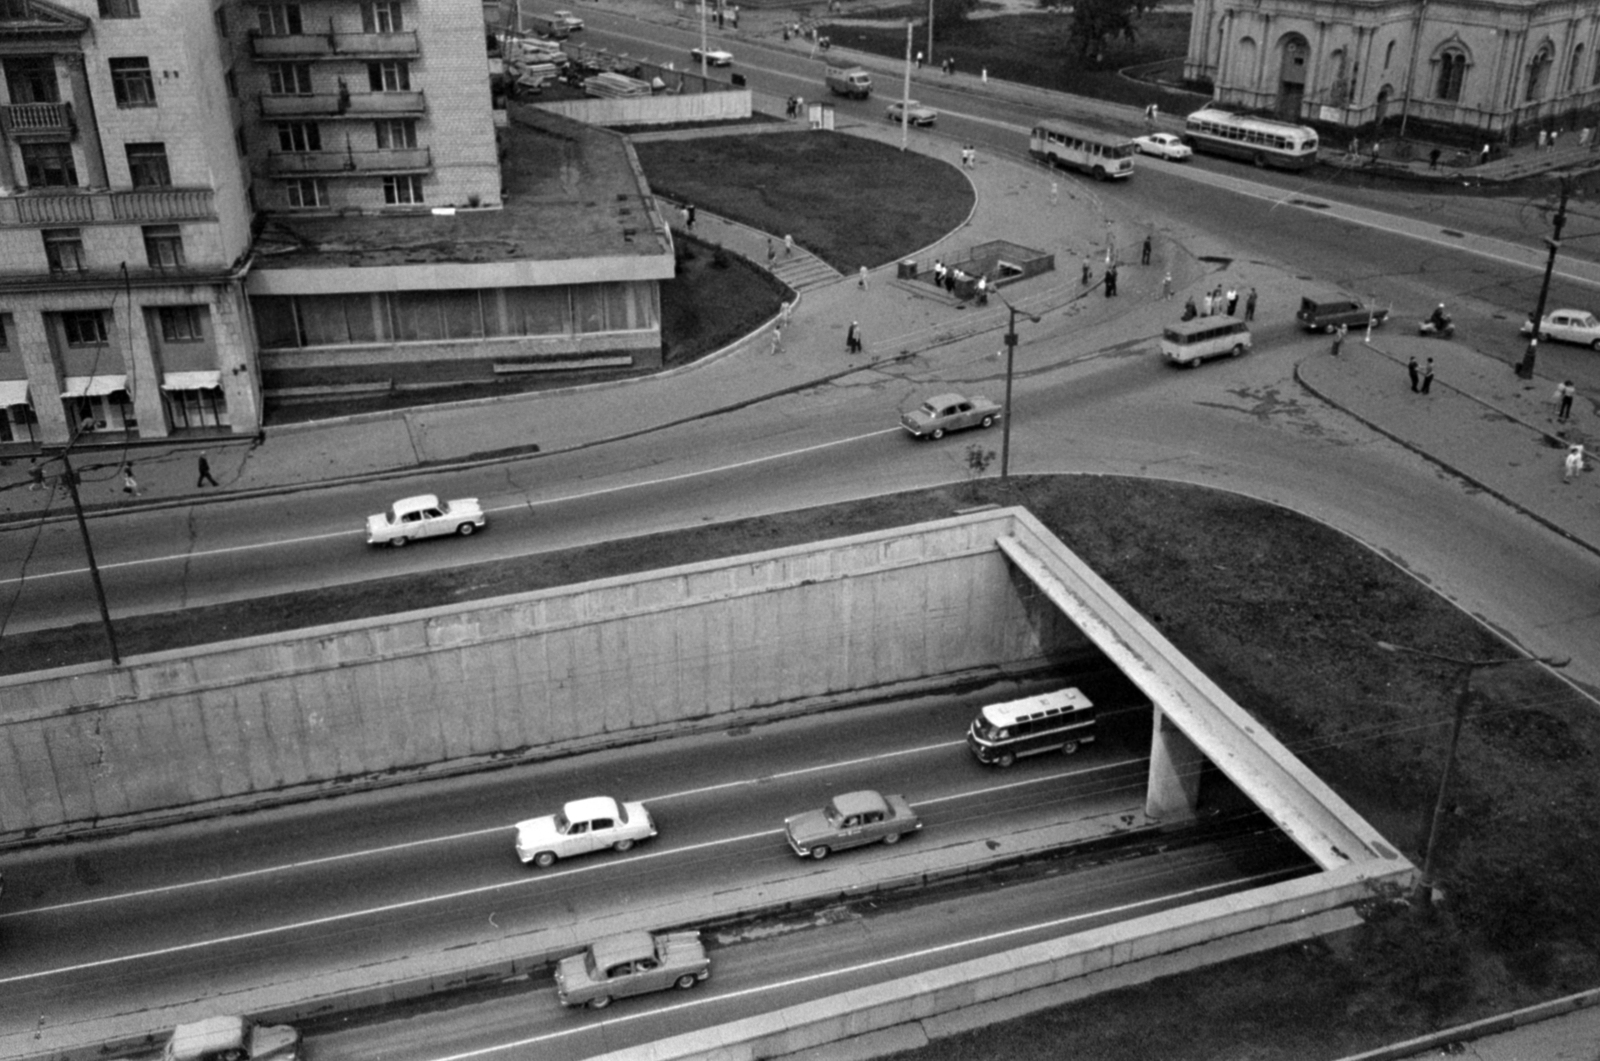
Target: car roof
(862,802)
(582,810)
(208,1036)
(420,501)
(1204,324)
(1570,312)
(941,400)
(623,947)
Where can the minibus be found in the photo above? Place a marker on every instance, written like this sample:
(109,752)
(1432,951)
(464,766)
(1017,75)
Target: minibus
(1192,341)
(1059,721)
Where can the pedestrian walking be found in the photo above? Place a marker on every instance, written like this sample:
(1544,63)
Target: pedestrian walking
(852,339)
(35,476)
(1166,285)
(1055,193)
(1233,300)
(1583,136)
(1411,370)
(130,485)
(1144,253)
(1111,280)
(1427,376)
(919,60)
(972,155)
(772,253)
(688,217)
(1483,156)
(1338,338)
(1216,300)
(1433,159)
(783,313)
(1564,394)
(1250,305)
(788,245)
(1205,305)
(1573,464)
(777,338)
(1150,114)
(1189,312)
(205,472)
(861,278)
(1355,145)
(1088,275)
(1553,134)
(1544,138)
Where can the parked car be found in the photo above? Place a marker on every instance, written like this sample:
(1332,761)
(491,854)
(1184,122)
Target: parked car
(949,412)
(567,19)
(713,56)
(582,826)
(424,516)
(915,112)
(1326,314)
(851,819)
(632,963)
(1569,326)
(232,1039)
(1164,145)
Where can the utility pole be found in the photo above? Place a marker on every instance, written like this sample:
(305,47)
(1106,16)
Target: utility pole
(905,94)
(1463,697)
(1005,413)
(930,33)
(1525,366)
(70,478)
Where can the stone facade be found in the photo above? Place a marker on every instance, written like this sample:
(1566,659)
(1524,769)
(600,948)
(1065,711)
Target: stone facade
(1500,68)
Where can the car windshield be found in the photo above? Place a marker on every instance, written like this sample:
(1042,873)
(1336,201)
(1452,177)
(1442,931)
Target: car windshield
(930,408)
(562,825)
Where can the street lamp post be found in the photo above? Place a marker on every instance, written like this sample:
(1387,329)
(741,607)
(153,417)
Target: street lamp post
(1005,413)
(1525,366)
(1425,881)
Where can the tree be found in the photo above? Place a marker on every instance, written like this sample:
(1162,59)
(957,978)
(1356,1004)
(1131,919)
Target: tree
(1094,22)
(978,461)
(948,13)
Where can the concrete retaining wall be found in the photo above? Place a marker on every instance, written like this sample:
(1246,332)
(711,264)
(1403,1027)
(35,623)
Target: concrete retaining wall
(732,105)
(532,675)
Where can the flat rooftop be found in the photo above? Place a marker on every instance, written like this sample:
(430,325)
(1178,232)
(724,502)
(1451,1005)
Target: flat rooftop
(571,191)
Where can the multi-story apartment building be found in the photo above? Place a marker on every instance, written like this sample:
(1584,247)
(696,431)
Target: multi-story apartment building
(203,198)
(124,223)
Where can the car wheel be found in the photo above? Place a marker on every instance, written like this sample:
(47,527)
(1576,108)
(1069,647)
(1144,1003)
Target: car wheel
(622,845)
(987,421)
(1260,160)
(819,853)
(1099,173)
(684,982)
(1069,748)
(600,1002)
(544,859)
(466,529)
(1005,761)
(1238,350)
(395,543)
(892,838)
(936,434)
(1595,346)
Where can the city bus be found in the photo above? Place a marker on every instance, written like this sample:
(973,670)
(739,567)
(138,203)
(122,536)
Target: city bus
(1264,141)
(1105,156)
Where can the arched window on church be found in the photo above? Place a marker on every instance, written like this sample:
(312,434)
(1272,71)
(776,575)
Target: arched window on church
(1452,72)
(1572,71)
(1539,73)
(1388,54)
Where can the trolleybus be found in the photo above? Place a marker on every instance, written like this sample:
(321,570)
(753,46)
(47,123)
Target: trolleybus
(1105,156)
(1264,141)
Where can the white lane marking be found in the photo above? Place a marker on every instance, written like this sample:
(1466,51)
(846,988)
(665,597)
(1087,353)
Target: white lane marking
(391,848)
(515,506)
(656,1012)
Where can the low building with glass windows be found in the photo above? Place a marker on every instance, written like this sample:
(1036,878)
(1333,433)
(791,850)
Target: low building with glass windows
(1500,68)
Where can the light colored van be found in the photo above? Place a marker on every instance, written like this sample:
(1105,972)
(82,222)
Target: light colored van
(1191,342)
(232,1039)
(851,81)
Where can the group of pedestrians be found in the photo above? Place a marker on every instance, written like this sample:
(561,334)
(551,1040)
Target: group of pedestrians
(1421,377)
(1216,303)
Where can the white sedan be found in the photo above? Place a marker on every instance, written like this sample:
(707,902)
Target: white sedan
(1163,145)
(911,111)
(424,516)
(582,826)
(1570,326)
(568,19)
(712,56)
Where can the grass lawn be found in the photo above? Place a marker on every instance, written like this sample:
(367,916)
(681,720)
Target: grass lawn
(1283,613)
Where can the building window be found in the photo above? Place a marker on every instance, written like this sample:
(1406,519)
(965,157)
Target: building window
(1388,54)
(400,190)
(49,165)
(181,324)
(279,20)
(132,84)
(163,246)
(396,133)
(32,79)
(299,136)
(289,79)
(305,194)
(84,327)
(1538,74)
(1452,71)
(119,8)
(5,331)
(381,18)
(64,250)
(147,166)
(1572,71)
(390,76)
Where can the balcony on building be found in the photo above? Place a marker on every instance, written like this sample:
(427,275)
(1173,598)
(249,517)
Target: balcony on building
(38,121)
(133,206)
(355,105)
(349,163)
(315,46)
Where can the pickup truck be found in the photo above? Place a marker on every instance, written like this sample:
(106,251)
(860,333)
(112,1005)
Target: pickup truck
(851,81)
(1326,314)
(851,819)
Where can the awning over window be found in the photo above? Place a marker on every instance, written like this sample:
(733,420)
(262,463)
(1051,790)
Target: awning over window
(191,381)
(93,386)
(13,392)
